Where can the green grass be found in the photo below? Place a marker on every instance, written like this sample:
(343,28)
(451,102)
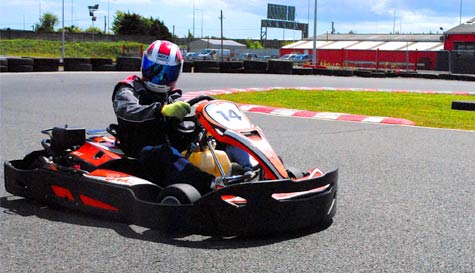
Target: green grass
(52,49)
(428,110)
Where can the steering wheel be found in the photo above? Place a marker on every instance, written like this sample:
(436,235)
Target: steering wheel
(194,101)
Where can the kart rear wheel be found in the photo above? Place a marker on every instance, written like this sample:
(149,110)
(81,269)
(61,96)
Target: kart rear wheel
(178,194)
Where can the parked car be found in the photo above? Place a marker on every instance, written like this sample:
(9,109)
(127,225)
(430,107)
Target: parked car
(301,58)
(214,54)
(248,57)
(287,56)
(190,56)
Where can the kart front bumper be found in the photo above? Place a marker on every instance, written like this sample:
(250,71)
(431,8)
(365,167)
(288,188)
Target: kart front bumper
(264,211)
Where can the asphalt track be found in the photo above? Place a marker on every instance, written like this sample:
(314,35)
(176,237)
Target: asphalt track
(405,204)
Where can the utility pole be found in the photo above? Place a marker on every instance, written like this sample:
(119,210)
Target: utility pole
(222,47)
(315,36)
(62,35)
(193,19)
(460,12)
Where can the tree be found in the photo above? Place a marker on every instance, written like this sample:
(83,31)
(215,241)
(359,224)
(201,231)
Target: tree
(254,44)
(158,29)
(70,29)
(134,24)
(129,24)
(47,23)
(93,30)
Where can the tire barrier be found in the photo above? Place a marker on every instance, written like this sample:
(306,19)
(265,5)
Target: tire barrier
(363,73)
(230,67)
(323,71)
(105,67)
(3,65)
(343,73)
(129,63)
(102,64)
(206,66)
(279,67)
(463,105)
(188,66)
(378,74)
(45,64)
(254,66)
(302,71)
(447,77)
(77,64)
(20,64)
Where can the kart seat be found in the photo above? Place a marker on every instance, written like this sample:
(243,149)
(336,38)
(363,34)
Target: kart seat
(66,139)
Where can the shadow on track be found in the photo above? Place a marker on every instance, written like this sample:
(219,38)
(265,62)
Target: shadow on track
(26,208)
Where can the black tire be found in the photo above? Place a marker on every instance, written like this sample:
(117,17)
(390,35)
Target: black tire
(19,61)
(45,68)
(463,105)
(279,67)
(78,67)
(20,68)
(206,66)
(100,61)
(302,71)
(76,61)
(230,67)
(45,62)
(105,67)
(254,66)
(129,63)
(363,73)
(378,74)
(128,67)
(343,73)
(188,66)
(178,194)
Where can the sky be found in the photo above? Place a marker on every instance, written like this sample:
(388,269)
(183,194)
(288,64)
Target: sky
(242,19)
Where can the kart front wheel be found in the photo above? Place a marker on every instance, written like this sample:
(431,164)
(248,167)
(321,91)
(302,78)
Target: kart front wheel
(178,194)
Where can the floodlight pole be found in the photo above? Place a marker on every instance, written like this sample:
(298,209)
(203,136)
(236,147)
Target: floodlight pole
(314,58)
(460,12)
(62,35)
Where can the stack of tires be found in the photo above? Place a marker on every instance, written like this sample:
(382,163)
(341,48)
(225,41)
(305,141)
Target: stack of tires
(129,63)
(188,66)
(254,66)
(280,67)
(207,66)
(45,64)
(77,64)
(3,65)
(102,64)
(230,67)
(20,64)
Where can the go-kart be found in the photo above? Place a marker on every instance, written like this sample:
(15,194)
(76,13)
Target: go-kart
(88,172)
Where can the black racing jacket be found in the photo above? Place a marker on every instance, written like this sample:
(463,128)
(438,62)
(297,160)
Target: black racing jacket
(138,111)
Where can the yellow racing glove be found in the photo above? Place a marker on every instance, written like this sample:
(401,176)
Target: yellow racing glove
(177,110)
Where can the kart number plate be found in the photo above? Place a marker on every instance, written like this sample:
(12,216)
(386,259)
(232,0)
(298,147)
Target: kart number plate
(228,115)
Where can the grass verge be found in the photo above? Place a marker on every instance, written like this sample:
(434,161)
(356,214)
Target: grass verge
(428,110)
(52,49)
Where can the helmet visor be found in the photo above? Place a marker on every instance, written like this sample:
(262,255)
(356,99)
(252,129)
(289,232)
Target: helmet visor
(160,74)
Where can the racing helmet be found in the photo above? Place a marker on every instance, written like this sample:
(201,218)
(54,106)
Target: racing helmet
(161,66)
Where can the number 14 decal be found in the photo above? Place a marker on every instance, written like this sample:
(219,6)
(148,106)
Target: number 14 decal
(230,115)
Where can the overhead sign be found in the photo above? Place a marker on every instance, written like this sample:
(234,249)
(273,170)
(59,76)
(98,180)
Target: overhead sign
(280,12)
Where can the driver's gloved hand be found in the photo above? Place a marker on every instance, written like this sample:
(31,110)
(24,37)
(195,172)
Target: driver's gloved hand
(178,110)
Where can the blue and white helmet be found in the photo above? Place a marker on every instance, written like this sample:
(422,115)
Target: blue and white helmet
(161,66)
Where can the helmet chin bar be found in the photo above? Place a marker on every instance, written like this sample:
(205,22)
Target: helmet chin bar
(157,88)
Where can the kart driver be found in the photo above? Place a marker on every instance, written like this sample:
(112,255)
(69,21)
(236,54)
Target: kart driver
(148,110)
